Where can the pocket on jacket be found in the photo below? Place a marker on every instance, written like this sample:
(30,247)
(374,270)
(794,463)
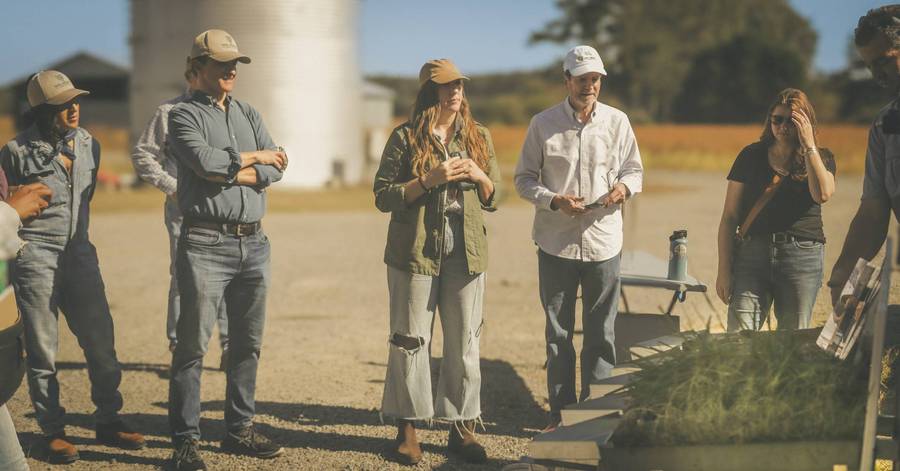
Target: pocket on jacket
(401,239)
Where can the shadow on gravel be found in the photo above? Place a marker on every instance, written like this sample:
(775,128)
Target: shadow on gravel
(35,448)
(161,370)
(308,414)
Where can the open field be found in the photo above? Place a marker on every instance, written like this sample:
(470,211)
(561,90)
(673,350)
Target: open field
(323,362)
(703,147)
(663,146)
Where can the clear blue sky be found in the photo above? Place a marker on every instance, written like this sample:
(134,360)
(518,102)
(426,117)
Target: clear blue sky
(396,36)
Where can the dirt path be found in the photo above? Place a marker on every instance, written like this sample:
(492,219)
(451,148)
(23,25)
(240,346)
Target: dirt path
(322,367)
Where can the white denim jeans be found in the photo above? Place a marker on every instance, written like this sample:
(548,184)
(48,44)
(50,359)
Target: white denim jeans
(457,296)
(11,456)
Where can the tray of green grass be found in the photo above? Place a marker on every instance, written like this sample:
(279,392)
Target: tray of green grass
(759,398)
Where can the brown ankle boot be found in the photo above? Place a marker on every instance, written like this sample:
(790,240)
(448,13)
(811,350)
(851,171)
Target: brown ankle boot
(407,447)
(60,450)
(463,442)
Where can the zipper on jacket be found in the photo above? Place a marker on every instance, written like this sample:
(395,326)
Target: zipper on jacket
(443,200)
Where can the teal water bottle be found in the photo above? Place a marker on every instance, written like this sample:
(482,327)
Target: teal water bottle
(678,255)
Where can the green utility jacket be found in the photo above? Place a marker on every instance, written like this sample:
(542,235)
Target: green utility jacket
(416,231)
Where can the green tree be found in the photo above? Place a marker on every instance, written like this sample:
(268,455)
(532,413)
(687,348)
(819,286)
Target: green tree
(736,82)
(650,45)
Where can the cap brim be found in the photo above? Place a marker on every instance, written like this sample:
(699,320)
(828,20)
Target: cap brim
(448,79)
(230,56)
(66,96)
(586,68)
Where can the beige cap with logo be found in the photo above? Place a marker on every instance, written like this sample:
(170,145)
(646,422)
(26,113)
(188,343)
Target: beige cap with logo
(440,71)
(218,46)
(52,88)
(583,59)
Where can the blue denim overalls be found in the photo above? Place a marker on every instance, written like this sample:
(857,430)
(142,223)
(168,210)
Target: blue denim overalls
(57,269)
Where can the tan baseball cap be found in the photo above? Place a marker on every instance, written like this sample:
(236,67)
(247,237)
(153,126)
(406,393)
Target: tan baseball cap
(440,71)
(218,46)
(51,87)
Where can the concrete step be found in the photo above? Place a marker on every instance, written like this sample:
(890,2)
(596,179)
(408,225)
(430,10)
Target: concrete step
(593,408)
(610,385)
(577,443)
(886,449)
(656,346)
(607,385)
(885,425)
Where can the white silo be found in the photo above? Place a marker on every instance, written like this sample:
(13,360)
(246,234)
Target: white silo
(304,78)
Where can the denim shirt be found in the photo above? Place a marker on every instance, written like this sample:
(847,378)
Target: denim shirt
(207,141)
(882,177)
(30,159)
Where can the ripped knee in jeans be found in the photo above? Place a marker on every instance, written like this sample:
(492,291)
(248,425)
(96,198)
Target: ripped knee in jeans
(408,344)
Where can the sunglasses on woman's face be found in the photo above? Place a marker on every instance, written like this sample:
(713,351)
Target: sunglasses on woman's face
(778,120)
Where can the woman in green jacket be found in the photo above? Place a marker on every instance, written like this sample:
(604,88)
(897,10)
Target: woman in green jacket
(437,174)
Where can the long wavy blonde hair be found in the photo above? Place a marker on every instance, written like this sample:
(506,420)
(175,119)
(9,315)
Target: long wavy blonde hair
(424,145)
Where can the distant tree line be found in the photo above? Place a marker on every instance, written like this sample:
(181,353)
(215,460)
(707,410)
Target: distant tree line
(691,61)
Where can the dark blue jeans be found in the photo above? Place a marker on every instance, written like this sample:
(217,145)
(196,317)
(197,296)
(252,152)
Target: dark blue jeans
(786,274)
(216,269)
(559,280)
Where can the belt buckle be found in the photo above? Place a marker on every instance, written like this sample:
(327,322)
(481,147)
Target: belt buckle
(780,238)
(238,230)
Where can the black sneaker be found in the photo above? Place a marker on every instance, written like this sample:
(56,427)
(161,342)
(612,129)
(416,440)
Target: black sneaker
(249,442)
(187,456)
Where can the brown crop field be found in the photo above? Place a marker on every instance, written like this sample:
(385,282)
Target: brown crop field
(663,146)
(703,147)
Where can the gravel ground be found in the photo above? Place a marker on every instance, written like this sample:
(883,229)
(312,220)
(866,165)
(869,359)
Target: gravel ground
(323,361)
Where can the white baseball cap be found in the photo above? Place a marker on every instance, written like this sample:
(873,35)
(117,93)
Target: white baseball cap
(581,60)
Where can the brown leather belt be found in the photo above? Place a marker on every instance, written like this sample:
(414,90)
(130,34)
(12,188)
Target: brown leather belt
(235,229)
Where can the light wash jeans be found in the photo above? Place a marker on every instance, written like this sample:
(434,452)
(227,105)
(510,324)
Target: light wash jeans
(216,269)
(559,279)
(788,274)
(457,296)
(174,219)
(11,456)
(48,278)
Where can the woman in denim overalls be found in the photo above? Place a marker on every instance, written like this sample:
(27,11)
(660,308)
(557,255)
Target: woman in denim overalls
(57,268)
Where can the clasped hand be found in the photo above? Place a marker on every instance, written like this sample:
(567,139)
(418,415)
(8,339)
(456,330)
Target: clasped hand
(455,169)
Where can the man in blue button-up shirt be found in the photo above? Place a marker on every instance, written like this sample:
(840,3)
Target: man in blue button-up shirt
(226,159)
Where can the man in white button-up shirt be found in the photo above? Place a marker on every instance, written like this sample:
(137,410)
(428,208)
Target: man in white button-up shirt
(579,163)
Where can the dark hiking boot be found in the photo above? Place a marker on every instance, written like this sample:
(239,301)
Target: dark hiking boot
(463,442)
(249,442)
(406,449)
(119,435)
(187,456)
(60,450)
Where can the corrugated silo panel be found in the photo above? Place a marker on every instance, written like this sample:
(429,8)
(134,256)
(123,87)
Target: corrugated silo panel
(304,78)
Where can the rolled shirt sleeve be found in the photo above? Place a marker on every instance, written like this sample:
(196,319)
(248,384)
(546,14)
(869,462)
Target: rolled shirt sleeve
(390,193)
(149,152)
(189,144)
(874,180)
(493,173)
(528,170)
(631,173)
(265,174)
